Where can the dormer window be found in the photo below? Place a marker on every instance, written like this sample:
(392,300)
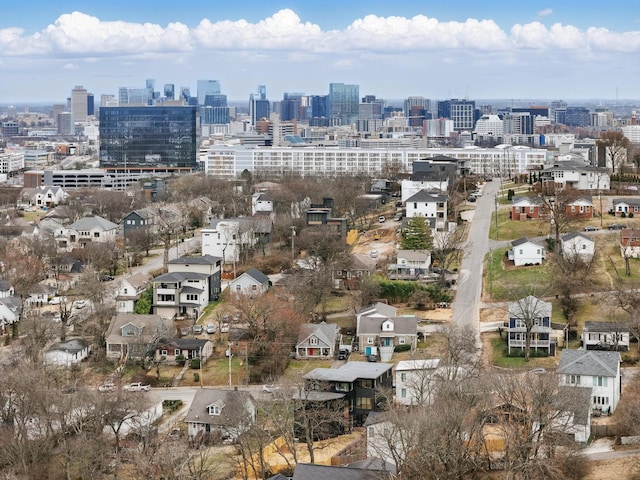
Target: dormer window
(313,341)
(214,410)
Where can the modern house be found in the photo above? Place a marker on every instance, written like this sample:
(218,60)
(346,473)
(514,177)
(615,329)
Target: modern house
(252,282)
(626,206)
(321,215)
(358,382)
(317,340)
(605,336)
(227,413)
(577,175)
(132,336)
(599,370)
(577,245)
(44,196)
(533,315)
(428,205)
(526,252)
(144,218)
(526,208)
(227,238)
(630,242)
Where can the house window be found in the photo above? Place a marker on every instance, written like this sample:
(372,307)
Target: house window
(214,410)
(365,403)
(401,340)
(177,352)
(403,377)
(538,252)
(370,340)
(163,353)
(403,393)
(254,287)
(125,291)
(573,379)
(238,288)
(313,341)
(521,251)
(599,381)
(96,234)
(601,400)
(415,205)
(343,387)
(370,432)
(531,209)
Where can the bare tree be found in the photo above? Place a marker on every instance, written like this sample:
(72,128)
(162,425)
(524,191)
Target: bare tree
(447,248)
(527,309)
(614,148)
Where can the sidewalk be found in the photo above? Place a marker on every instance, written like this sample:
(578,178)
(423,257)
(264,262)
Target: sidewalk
(178,378)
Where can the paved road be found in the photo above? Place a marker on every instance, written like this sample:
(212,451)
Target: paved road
(182,248)
(466,305)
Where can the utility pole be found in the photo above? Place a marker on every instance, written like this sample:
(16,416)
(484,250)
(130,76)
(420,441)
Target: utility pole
(496,200)
(293,243)
(229,355)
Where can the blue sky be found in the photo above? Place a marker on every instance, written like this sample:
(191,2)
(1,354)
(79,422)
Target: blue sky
(392,49)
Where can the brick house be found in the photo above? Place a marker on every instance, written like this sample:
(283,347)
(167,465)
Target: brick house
(580,207)
(630,242)
(526,208)
(626,206)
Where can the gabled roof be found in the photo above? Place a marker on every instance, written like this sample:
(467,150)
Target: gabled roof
(581,199)
(362,262)
(195,260)
(349,372)
(306,471)
(415,255)
(5,285)
(589,362)
(527,200)
(233,413)
(628,201)
(522,241)
(424,196)
(590,326)
(326,332)
(183,343)
(378,309)
(143,213)
(571,235)
(401,325)
(257,275)
(530,305)
(180,277)
(138,280)
(421,364)
(151,324)
(71,345)
(94,221)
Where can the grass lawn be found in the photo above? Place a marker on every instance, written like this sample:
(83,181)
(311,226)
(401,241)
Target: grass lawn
(500,359)
(502,280)
(297,368)
(512,230)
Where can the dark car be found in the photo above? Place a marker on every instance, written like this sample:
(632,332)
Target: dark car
(372,358)
(343,354)
(590,228)
(615,226)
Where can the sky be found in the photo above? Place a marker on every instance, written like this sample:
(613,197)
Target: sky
(508,49)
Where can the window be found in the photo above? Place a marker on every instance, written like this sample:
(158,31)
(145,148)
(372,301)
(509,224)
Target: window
(403,377)
(521,251)
(163,353)
(313,341)
(573,379)
(403,393)
(370,340)
(365,403)
(401,340)
(177,352)
(531,209)
(599,381)
(370,432)
(254,287)
(214,410)
(343,387)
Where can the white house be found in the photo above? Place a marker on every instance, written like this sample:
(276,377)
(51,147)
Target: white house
(415,381)
(129,292)
(91,229)
(605,336)
(70,352)
(526,252)
(626,206)
(251,282)
(575,174)
(577,245)
(413,262)
(411,187)
(428,205)
(261,203)
(599,370)
(44,196)
(227,238)
(9,312)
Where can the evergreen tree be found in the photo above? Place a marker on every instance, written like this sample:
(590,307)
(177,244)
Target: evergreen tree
(416,235)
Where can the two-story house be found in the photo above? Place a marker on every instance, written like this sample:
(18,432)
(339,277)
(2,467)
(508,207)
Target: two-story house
(180,294)
(416,381)
(359,382)
(321,215)
(626,206)
(630,242)
(577,246)
(139,219)
(574,174)
(226,413)
(530,316)
(599,370)
(382,335)
(317,340)
(129,292)
(429,205)
(227,238)
(410,264)
(349,275)
(43,196)
(261,203)
(252,282)
(526,208)
(526,252)
(132,336)
(91,229)
(605,336)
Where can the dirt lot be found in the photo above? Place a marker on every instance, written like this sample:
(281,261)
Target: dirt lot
(385,245)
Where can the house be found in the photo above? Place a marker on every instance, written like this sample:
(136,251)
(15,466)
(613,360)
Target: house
(317,340)
(535,312)
(138,219)
(10,308)
(142,417)
(385,440)
(630,242)
(173,350)
(625,207)
(605,336)
(526,208)
(70,352)
(252,282)
(577,246)
(415,381)
(526,252)
(569,173)
(129,292)
(56,220)
(228,238)
(133,336)
(384,334)
(599,370)
(410,264)
(44,196)
(321,215)
(227,413)
(580,208)
(6,289)
(261,202)
(40,293)
(350,275)
(429,205)
(90,229)
(359,382)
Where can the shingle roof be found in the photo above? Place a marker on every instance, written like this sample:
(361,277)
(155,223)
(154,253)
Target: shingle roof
(527,200)
(380,309)
(424,196)
(180,276)
(87,223)
(530,305)
(522,241)
(605,327)
(401,325)
(349,372)
(195,260)
(184,343)
(628,201)
(258,276)
(71,345)
(233,410)
(414,254)
(326,332)
(589,362)
(570,236)
(306,471)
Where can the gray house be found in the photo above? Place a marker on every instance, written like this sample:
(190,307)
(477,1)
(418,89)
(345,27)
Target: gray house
(228,413)
(317,340)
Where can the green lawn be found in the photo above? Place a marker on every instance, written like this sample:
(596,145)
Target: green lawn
(502,280)
(499,358)
(512,230)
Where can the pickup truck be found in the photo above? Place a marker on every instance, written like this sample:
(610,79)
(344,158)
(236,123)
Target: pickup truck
(137,387)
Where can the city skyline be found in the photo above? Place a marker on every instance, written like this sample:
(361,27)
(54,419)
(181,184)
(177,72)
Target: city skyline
(554,50)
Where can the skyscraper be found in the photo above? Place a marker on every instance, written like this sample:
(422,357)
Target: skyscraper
(343,102)
(66,124)
(207,87)
(90,104)
(149,136)
(462,112)
(79,102)
(169,91)
(259,106)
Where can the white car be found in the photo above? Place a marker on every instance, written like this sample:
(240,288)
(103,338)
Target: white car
(211,328)
(80,304)
(137,387)
(57,300)
(270,388)
(106,387)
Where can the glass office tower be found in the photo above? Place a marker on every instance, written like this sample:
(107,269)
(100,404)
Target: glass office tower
(344,101)
(148,136)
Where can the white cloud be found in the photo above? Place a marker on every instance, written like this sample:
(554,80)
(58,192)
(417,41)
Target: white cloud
(69,66)
(545,13)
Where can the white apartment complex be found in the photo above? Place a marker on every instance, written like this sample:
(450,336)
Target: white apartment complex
(11,161)
(230,161)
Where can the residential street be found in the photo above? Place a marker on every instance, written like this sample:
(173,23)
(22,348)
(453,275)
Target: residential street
(466,305)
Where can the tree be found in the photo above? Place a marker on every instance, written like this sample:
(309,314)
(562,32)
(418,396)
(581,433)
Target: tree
(416,235)
(447,247)
(527,309)
(614,147)
(557,203)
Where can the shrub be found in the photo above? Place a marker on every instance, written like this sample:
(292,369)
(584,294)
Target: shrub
(180,360)
(630,214)
(196,377)
(623,215)
(171,405)
(402,348)
(195,363)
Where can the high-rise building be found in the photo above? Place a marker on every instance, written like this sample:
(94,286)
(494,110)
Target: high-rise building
(90,104)
(214,115)
(185,94)
(207,87)
(415,102)
(344,101)
(66,124)
(462,112)
(56,109)
(259,106)
(215,100)
(319,106)
(108,100)
(148,136)
(577,117)
(79,103)
(169,91)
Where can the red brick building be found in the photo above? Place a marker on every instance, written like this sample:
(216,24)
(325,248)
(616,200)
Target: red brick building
(526,208)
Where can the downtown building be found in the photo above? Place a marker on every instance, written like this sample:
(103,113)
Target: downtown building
(148,137)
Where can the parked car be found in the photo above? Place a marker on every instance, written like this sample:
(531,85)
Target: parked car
(57,317)
(57,300)
(198,329)
(381,219)
(372,358)
(106,278)
(80,304)
(211,328)
(224,328)
(270,388)
(137,387)
(615,226)
(374,253)
(343,354)
(184,331)
(472,199)
(106,387)
(590,228)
